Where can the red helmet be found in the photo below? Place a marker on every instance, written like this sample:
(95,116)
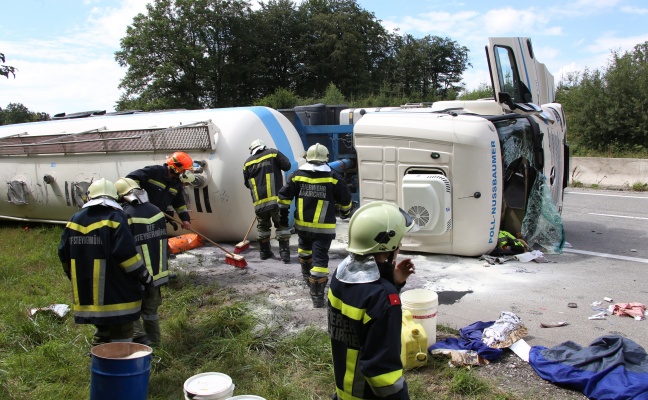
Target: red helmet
(179,162)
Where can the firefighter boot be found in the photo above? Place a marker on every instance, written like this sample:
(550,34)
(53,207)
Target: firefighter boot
(317,284)
(264,249)
(284,250)
(306,265)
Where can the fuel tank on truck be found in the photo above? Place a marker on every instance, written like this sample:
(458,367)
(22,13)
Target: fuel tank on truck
(443,169)
(47,166)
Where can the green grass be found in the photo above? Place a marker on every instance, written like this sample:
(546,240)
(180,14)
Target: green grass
(204,327)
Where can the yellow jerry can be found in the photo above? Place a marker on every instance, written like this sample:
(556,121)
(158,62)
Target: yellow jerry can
(413,343)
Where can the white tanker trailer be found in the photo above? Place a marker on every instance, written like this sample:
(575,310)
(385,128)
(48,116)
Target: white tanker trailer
(47,166)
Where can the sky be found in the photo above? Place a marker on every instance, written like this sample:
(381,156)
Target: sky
(64,49)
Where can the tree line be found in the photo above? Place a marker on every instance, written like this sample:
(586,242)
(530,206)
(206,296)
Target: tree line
(607,108)
(212,53)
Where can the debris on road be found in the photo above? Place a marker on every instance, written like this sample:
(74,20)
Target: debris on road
(553,324)
(60,310)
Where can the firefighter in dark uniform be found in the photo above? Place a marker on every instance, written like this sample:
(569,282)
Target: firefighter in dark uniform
(318,191)
(147,223)
(163,185)
(364,310)
(263,175)
(99,256)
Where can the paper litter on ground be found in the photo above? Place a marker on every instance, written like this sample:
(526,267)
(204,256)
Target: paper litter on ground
(60,310)
(507,330)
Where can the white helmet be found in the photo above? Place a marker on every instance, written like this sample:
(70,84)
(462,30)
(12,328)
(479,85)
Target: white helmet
(187,177)
(255,144)
(317,154)
(101,188)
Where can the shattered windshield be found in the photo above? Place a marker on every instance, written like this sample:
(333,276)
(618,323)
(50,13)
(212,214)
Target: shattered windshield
(516,140)
(528,209)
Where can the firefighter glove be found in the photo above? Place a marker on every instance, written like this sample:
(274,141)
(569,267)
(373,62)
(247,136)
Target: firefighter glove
(173,224)
(148,284)
(283,216)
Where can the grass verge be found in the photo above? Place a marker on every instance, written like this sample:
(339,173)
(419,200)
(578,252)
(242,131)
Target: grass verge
(205,328)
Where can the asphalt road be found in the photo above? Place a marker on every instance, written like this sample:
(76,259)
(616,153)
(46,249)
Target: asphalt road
(606,256)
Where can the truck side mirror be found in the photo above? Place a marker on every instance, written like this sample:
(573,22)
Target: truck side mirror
(505,99)
(518,108)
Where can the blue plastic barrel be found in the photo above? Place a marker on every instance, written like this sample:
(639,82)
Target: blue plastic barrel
(120,371)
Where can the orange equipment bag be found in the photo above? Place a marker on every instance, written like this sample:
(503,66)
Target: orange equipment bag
(186,242)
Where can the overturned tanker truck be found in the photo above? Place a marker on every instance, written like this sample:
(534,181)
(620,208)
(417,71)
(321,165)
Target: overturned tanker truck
(463,169)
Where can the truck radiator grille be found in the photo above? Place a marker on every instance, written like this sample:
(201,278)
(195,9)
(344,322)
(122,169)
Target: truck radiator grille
(189,137)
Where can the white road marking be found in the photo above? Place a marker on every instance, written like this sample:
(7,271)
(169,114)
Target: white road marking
(608,195)
(606,255)
(617,216)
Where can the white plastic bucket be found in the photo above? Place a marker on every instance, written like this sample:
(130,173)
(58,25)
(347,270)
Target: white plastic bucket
(209,386)
(247,397)
(422,303)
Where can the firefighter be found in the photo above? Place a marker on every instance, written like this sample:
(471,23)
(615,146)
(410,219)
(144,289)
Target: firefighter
(364,309)
(163,185)
(263,175)
(147,223)
(100,257)
(317,190)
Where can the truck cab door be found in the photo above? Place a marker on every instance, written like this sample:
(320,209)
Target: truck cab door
(514,74)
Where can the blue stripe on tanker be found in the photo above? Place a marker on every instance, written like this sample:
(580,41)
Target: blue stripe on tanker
(276,132)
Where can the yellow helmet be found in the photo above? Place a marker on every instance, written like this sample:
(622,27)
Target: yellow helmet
(101,188)
(378,227)
(130,191)
(125,185)
(317,154)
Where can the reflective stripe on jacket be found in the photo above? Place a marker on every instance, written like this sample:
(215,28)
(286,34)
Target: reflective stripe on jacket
(364,323)
(148,225)
(263,175)
(163,191)
(105,268)
(317,193)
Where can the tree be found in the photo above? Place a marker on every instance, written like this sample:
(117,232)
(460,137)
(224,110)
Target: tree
(220,53)
(333,95)
(429,68)
(606,108)
(484,91)
(159,55)
(16,113)
(281,98)
(5,70)
(344,44)
(188,54)
(278,31)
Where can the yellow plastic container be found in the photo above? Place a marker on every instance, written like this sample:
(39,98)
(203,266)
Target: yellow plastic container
(413,343)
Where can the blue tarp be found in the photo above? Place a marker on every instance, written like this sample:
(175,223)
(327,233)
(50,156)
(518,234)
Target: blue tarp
(470,338)
(612,367)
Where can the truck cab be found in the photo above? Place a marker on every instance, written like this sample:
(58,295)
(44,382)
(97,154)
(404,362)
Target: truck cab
(467,169)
